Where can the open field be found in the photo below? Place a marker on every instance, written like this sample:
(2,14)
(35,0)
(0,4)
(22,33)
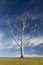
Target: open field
(21,61)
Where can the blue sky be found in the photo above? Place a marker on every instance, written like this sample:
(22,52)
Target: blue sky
(15,9)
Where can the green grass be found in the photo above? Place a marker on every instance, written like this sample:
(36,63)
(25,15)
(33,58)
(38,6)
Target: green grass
(21,61)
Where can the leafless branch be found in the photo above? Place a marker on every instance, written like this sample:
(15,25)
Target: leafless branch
(12,30)
(33,30)
(26,26)
(17,42)
(17,27)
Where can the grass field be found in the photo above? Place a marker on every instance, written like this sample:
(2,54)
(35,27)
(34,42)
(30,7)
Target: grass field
(21,61)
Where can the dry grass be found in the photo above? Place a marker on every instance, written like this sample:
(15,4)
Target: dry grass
(21,61)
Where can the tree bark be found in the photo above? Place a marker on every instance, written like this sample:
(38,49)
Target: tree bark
(22,42)
(21,52)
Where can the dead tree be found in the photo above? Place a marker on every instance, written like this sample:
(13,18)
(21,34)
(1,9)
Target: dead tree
(21,30)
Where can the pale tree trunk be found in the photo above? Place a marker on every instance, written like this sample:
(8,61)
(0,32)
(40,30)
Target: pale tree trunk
(22,43)
(21,52)
(22,47)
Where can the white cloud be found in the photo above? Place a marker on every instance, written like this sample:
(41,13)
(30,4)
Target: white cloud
(11,43)
(9,47)
(33,55)
(31,41)
(6,43)
(36,40)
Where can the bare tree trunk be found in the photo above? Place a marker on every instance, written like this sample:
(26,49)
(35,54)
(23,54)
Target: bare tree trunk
(22,42)
(21,52)
(22,45)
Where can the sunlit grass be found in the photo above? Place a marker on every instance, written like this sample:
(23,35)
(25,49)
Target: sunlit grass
(21,61)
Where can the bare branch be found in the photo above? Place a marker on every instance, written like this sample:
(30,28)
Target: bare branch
(17,42)
(13,36)
(31,34)
(26,26)
(12,30)
(17,27)
(23,18)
